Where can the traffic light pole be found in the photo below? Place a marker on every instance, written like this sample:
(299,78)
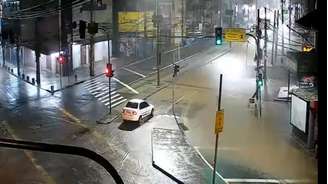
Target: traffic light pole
(60,42)
(258,92)
(109,78)
(91,49)
(217,134)
(257,41)
(158,54)
(265,43)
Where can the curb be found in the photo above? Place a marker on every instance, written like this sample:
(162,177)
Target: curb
(105,120)
(166,173)
(159,168)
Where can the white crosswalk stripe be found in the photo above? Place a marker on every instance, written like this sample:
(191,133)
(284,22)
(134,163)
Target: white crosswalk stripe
(101,95)
(112,97)
(100,90)
(105,95)
(96,86)
(118,103)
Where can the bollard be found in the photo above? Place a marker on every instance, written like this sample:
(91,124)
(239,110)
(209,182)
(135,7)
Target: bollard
(52,89)
(75,76)
(33,81)
(27,78)
(12,70)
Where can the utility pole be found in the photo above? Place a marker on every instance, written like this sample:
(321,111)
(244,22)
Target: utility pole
(282,40)
(182,20)
(221,13)
(18,59)
(282,11)
(277,37)
(3,53)
(265,43)
(92,42)
(273,36)
(37,52)
(290,18)
(109,78)
(217,131)
(258,35)
(60,41)
(158,52)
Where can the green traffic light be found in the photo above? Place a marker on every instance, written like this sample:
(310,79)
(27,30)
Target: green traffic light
(260,83)
(218,42)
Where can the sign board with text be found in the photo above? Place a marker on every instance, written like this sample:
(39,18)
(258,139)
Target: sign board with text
(219,121)
(235,34)
(136,22)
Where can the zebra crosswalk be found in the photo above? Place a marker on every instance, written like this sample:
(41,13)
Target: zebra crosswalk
(100,90)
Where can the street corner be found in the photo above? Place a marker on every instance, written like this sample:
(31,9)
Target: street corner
(176,158)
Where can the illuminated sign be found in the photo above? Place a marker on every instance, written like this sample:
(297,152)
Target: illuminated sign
(130,22)
(235,34)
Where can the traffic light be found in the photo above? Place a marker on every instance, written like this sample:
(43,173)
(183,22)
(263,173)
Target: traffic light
(259,80)
(218,36)
(61,59)
(109,70)
(176,69)
(82,27)
(93,28)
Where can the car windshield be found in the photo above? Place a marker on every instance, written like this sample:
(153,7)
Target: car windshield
(132,105)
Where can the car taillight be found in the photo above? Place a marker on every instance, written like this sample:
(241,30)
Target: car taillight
(134,112)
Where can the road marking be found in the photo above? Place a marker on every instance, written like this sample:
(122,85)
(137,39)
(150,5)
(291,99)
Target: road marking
(106,96)
(96,92)
(105,92)
(267,181)
(209,165)
(30,156)
(125,85)
(90,83)
(118,103)
(114,101)
(137,73)
(112,97)
(98,87)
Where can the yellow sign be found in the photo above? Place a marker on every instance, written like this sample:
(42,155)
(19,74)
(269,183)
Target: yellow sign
(307,48)
(234,34)
(219,121)
(130,22)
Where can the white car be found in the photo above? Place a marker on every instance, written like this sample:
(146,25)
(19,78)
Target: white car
(137,110)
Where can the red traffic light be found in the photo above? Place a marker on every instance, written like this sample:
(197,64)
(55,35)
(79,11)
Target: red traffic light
(61,59)
(109,70)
